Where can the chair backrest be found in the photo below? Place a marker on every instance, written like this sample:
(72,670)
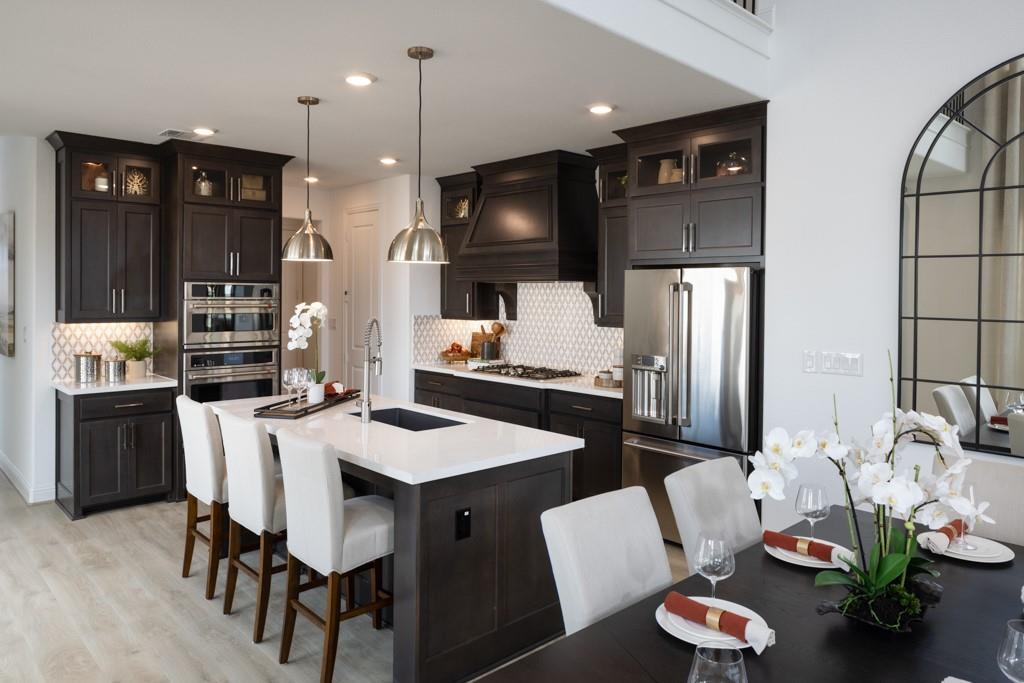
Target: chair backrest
(250,460)
(987,406)
(314,501)
(205,469)
(953,405)
(712,498)
(1016,424)
(606,552)
(999,481)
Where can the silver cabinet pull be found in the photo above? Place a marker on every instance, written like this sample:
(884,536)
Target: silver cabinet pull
(467,302)
(586,409)
(238,262)
(231,189)
(693,237)
(129,405)
(434,384)
(122,299)
(600,310)
(113,183)
(113,301)
(600,190)
(686,237)
(693,169)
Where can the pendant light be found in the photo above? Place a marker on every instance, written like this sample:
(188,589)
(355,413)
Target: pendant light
(307,244)
(418,242)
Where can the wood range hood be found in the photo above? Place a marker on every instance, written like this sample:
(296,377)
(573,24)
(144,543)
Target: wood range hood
(535,221)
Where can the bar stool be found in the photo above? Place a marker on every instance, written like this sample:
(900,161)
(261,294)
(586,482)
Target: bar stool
(334,537)
(257,504)
(205,481)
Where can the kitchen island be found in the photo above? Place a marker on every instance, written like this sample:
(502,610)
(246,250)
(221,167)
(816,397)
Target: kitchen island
(472,581)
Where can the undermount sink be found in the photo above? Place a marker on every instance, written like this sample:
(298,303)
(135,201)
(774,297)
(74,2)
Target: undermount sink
(409,419)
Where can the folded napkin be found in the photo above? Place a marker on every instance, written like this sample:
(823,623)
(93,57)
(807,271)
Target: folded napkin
(999,420)
(826,552)
(333,388)
(938,541)
(755,633)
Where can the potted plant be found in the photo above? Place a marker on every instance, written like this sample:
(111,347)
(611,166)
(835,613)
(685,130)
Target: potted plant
(305,324)
(135,355)
(885,587)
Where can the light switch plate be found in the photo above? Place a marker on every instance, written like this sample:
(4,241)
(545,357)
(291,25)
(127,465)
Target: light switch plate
(810,361)
(840,363)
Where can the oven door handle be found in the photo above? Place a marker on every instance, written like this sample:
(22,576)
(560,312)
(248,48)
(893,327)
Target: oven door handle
(230,303)
(200,378)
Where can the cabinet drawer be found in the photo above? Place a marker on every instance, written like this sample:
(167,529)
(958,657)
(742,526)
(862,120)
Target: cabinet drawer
(504,394)
(436,382)
(516,416)
(125,403)
(584,405)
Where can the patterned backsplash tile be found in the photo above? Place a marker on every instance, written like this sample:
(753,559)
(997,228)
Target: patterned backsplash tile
(67,340)
(555,328)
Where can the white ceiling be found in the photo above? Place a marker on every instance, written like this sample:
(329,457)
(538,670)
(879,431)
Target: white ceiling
(509,78)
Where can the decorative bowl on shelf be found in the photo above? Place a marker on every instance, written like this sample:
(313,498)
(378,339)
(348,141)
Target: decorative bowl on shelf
(452,357)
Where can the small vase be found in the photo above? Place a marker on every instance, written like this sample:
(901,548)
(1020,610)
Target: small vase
(135,369)
(665,168)
(315,394)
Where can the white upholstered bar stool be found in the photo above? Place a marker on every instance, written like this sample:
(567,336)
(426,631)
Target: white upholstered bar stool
(257,504)
(205,482)
(334,537)
(606,552)
(955,408)
(712,498)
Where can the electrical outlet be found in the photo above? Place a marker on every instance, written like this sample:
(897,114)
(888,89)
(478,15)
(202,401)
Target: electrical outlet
(810,361)
(839,363)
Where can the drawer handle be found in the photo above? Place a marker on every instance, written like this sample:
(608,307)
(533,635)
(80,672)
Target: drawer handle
(130,405)
(583,408)
(434,384)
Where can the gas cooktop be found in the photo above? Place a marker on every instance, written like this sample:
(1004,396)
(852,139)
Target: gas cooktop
(527,372)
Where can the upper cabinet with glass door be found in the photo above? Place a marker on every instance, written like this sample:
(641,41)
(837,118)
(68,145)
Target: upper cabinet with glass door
(210,181)
(111,177)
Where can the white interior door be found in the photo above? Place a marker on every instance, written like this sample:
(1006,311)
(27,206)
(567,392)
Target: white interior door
(299,283)
(362,288)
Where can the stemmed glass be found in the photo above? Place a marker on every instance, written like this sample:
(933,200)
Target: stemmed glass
(303,379)
(715,560)
(959,543)
(812,504)
(717,663)
(1011,653)
(288,381)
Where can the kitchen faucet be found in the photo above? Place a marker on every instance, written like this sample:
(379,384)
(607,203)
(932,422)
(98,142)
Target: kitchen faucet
(368,360)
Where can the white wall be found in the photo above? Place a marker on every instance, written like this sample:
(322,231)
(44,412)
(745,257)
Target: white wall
(852,86)
(26,399)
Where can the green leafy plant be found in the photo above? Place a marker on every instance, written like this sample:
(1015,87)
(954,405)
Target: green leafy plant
(138,350)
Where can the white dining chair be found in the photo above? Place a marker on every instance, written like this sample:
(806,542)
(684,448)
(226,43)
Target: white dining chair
(955,408)
(997,480)
(257,504)
(1015,421)
(205,482)
(606,552)
(987,406)
(337,538)
(712,498)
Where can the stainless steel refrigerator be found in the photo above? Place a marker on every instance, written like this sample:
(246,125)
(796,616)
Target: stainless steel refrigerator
(687,356)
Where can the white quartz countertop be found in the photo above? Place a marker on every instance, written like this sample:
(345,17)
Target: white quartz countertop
(579,385)
(73,388)
(413,457)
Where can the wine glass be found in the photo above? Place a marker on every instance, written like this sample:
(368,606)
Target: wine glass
(288,382)
(1011,653)
(715,560)
(959,543)
(812,504)
(305,380)
(714,662)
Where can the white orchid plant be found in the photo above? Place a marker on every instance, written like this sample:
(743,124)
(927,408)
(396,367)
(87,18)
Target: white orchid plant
(304,325)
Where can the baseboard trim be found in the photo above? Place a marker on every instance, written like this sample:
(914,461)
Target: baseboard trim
(14,475)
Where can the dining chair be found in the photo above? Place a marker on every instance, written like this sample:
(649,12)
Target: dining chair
(205,482)
(712,498)
(334,537)
(606,552)
(1015,421)
(999,481)
(987,405)
(955,408)
(257,504)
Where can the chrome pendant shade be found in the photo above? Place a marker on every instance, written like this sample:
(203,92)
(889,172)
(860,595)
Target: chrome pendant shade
(307,244)
(418,242)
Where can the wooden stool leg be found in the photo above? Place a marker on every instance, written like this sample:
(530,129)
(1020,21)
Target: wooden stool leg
(350,591)
(291,593)
(234,553)
(376,575)
(332,626)
(191,507)
(263,584)
(216,539)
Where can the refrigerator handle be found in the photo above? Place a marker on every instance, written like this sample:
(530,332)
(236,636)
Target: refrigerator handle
(682,376)
(675,331)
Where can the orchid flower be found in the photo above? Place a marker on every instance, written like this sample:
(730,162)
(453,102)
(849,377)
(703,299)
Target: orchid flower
(764,482)
(804,444)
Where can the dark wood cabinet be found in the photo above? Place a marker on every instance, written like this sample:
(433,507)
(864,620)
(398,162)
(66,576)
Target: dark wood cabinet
(221,243)
(608,293)
(104,462)
(461,299)
(257,245)
(151,454)
(597,467)
(727,157)
(726,221)
(659,226)
(138,261)
(215,181)
(138,180)
(109,175)
(436,400)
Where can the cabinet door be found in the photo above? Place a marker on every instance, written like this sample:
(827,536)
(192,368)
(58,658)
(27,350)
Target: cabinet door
(457,206)
(138,180)
(93,175)
(103,466)
(613,184)
(658,226)
(139,261)
(602,458)
(463,299)
(257,246)
(727,221)
(256,187)
(727,158)
(571,426)
(93,279)
(149,440)
(206,181)
(612,247)
(658,167)
(207,243)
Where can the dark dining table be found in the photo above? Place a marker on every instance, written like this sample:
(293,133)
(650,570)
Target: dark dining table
(959,637)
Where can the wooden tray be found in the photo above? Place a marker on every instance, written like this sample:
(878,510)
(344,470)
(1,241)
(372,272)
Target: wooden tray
(456,357)
(292,409)
(607,383)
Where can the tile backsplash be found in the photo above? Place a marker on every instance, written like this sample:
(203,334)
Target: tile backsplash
(67,340)
(555,328)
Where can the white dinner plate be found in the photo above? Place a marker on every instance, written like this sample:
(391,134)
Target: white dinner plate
(999,428)
(802,560)
(694,633)
(988,551)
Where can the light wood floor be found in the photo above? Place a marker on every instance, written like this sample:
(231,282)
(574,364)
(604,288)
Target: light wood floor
(102,599)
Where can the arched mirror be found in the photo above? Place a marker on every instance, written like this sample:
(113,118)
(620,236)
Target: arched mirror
(962,262)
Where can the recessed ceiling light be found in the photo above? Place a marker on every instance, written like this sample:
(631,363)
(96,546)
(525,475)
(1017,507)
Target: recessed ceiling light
(204,132)
(388,161)
(601,109)
(360,80)
(311,179)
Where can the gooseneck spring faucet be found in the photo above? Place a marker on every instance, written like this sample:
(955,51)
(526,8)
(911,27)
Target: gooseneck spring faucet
(369,359)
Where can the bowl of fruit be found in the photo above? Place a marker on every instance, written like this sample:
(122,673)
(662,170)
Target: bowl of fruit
(455,353)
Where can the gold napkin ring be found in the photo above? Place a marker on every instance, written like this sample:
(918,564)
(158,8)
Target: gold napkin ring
(803,546)
(952,530)
(712,618)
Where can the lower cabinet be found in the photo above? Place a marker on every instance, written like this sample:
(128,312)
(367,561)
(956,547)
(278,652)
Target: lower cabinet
(597,467)
(113,448)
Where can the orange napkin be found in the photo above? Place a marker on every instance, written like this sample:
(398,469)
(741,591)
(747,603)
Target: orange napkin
(821,551)
(755,633)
